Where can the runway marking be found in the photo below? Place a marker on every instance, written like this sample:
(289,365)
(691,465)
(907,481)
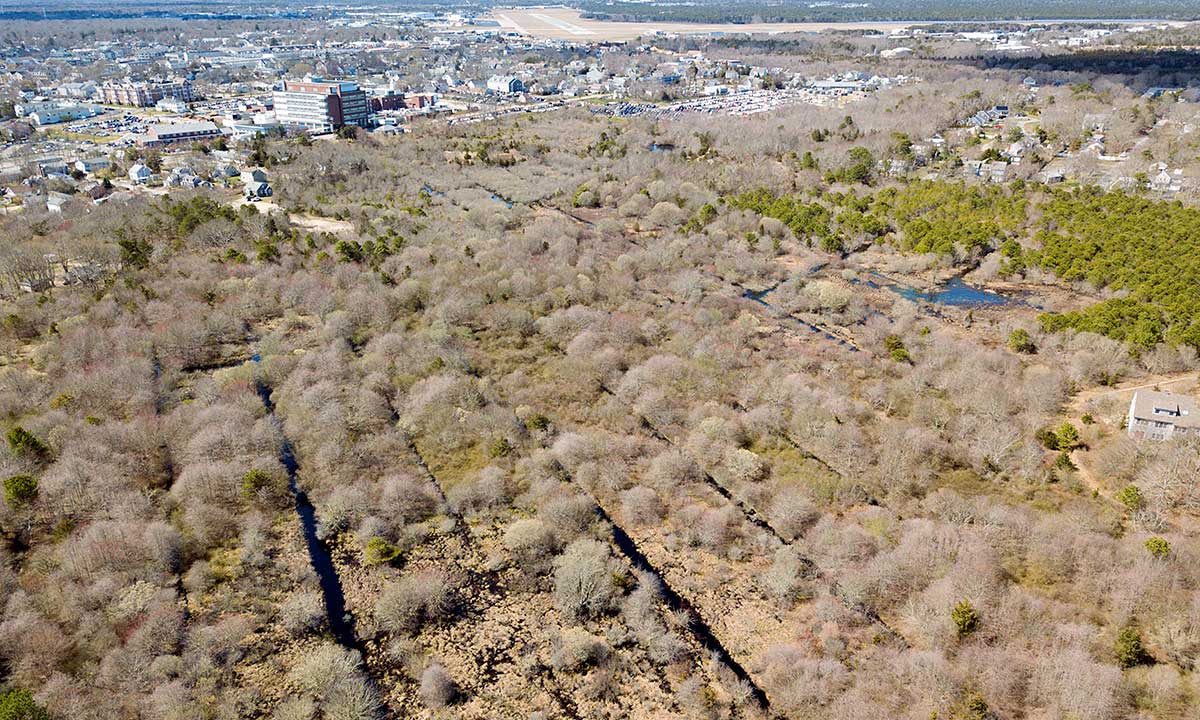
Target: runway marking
(562,24)
(507,21)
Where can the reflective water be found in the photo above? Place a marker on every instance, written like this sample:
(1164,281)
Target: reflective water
(954,293)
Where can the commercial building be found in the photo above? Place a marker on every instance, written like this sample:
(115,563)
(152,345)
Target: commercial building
(142,94)
(164,133)
(321,106)
(388,100)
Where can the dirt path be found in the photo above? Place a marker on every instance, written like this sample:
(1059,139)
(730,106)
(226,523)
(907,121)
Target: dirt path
(1168,381)
(1077,405)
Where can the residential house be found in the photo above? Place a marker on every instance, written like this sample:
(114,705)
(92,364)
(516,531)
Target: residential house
(254,175)
(991,116)
(505,84)
(91,165)
(1156,415)
(139,173)
(56,200)
(258,190)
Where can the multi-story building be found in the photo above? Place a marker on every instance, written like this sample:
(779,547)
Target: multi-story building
(320,105)
(52,111)
(141,94)
(387,100)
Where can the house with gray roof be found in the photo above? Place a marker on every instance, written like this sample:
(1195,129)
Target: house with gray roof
(1155,415)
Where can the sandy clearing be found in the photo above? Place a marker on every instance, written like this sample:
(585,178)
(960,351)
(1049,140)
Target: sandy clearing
(315,223)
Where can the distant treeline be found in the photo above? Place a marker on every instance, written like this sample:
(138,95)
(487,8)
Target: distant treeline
(98,14)
(893,10)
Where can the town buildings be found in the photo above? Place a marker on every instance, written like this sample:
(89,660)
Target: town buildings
(322,106)
(145,94)
(52,112)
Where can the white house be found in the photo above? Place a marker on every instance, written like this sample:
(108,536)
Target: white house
(505,84)
(139,173)
(91,165)
(258,190)
(1158,415)
(55,201)
(256,175)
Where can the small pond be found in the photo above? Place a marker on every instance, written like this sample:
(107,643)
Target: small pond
(954,293)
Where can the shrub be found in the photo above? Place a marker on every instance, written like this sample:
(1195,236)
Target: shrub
(974,707)
(791,512)
(1047,438)
(745,466)
(297,708)
(500,447)
(1019,341)
(20,490)
(438,689)
(1068,436)
(531,542)
(352,699)
(966,620)
(583,579)
(255,482)
(25,443)
(379,551)
(1128,647)
(1131,497)
(641,505)
(321,668)
(1158,547)
(578,649)
(412,602)
(18,704)
(783,580)
(302,612)
(896,349)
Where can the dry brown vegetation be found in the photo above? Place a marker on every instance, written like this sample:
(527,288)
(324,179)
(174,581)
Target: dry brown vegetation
(563,467)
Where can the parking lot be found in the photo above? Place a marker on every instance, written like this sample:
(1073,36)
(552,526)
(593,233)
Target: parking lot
(751,102)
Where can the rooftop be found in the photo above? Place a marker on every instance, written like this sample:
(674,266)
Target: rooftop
(1179,410)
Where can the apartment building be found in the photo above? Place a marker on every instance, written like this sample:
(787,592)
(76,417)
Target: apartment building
(53,111)
(142,94)
(320,105)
